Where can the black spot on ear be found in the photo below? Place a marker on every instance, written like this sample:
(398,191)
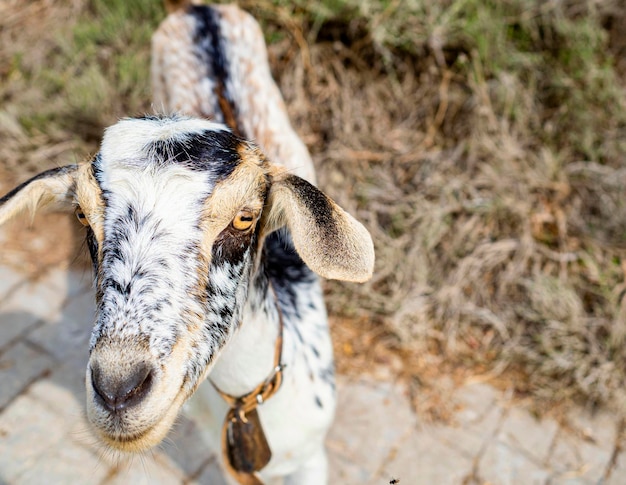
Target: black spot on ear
(318,401)
(315,201)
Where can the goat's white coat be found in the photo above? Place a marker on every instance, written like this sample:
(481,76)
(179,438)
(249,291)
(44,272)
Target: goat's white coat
(294,424)
(129,181)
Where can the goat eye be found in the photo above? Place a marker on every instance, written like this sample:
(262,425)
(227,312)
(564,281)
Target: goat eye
(80,215)
(243,220)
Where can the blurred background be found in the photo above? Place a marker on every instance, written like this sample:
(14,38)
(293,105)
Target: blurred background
(481,142)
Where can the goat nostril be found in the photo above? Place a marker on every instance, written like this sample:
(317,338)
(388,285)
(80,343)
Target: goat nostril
(117,393)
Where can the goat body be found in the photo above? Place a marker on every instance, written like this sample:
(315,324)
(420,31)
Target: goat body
(211,61)
(201,243)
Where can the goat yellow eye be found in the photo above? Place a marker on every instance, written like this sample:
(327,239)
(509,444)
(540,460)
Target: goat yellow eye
(243,220)
(80,215)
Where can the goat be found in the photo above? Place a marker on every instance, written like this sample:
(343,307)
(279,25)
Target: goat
(205,254)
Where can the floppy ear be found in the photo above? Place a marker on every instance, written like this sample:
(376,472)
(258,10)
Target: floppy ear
(328,239)
(53,187)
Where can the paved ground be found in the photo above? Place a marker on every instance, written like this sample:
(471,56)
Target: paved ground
(44,330)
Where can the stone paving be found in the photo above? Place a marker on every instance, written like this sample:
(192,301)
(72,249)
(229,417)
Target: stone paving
(44,439)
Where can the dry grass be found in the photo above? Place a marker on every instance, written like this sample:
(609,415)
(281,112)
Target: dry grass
(482,143)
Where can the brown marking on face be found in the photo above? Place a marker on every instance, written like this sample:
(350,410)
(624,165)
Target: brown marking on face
(90,200)
(245,188)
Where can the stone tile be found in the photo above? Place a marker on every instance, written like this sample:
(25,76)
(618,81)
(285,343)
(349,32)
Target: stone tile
(28,431)
(476,400)
(149,468)
(500,464)
(599,428)
(576,458)
(468,436)
(71,374)
(71,332)
(79,282)
(344,470)
(9,280)
(63,392)
(474,424)
(518,452)
(423,460)
(43,297)
(30,304)
(20,365)
(67,463)
(522,431)
(369,412)
(617,474)
(584,449)
(70,456)
(55,279)
(211,475)
(186,447)
(69,410)
(14,325)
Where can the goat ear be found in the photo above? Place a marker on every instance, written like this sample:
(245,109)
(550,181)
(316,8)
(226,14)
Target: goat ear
(53,187)
(328,239)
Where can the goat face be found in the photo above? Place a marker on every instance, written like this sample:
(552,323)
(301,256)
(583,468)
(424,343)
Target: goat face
(175,236)
(176,211)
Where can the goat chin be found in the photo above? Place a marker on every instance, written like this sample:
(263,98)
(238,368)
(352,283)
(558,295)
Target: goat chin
(132,403)
(143,441)
(129,431)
